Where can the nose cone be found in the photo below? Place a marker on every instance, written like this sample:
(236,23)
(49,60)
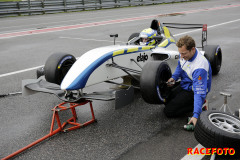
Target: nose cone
(75,84)
(65,83)
(63,86)
(72,80)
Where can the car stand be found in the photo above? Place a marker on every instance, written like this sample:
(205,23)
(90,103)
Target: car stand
(225,107)
(61,126)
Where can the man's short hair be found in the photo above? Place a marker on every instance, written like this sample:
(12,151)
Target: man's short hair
(186,40)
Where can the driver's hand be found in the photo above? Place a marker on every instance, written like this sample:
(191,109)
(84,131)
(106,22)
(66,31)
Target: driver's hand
(170,82)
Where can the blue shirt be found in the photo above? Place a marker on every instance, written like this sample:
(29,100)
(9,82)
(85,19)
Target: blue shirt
(196,76)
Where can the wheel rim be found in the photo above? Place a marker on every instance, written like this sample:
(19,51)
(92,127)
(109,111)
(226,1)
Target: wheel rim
(225,122)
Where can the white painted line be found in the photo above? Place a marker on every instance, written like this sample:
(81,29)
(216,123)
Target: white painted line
(97,40)
(220,24)
(29,69)
(224,23)
(20,71)
(194,157)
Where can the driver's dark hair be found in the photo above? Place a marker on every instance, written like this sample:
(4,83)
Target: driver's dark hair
(187,41)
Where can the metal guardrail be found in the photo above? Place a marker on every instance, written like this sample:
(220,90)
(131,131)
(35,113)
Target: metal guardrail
(33,7)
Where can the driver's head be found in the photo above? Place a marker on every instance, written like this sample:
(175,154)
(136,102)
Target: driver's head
(146,37)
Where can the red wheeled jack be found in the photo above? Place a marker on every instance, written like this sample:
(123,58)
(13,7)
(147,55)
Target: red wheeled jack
(72,121)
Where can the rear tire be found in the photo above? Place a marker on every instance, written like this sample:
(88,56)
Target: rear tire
(213,53)
(153,80)
(57,66)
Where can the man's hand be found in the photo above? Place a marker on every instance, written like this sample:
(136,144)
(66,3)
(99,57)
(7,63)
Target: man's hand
(170,82)
(193,120)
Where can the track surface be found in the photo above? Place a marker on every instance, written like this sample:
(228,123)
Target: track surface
(138,131)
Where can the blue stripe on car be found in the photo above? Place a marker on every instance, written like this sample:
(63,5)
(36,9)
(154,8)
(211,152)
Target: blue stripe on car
(82,78)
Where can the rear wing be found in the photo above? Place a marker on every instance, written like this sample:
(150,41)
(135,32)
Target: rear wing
(190,26)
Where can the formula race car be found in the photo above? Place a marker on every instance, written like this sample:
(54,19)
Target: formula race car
(145,67)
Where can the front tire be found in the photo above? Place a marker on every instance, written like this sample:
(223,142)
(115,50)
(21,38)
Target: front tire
(213,53)
(153,80)
(57,66)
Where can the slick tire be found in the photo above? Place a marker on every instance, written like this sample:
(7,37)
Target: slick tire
(57,66)
(216,129)
(213,53)
(153,80)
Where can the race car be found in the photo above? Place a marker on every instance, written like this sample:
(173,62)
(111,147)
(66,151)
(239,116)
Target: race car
(145,67)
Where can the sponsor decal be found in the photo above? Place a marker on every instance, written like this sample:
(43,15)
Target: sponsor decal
(199,78)
(211,151)
(63,60)
(142,57)
(200,82)
(159,94)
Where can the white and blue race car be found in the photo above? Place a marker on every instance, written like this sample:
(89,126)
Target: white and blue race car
(144,67)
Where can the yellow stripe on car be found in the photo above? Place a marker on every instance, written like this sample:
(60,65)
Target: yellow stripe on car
(118,52)
(172,40)
(166,32)
(147,47)
(132,50)
(164,43)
